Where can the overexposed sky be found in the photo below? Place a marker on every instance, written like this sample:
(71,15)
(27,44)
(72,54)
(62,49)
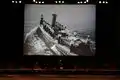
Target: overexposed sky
(75,17)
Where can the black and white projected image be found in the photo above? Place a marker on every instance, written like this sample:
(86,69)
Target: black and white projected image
(59,30)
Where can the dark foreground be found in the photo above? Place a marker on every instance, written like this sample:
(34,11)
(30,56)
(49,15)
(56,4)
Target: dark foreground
(60,77)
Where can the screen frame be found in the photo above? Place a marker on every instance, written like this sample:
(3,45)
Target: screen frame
(104,15)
